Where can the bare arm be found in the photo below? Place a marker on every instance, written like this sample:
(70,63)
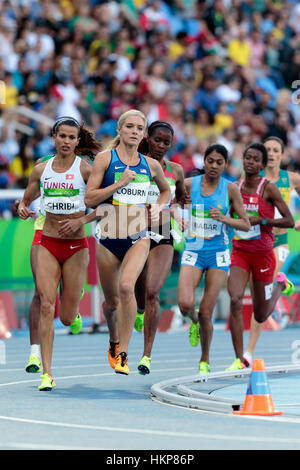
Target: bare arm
(31,192)
(295,181)
(94,195)
(71,226)
(273,194)
(180,187)
(163,186)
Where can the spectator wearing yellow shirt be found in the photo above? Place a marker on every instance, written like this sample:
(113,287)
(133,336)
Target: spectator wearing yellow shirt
(21,166)
(10,92)
(205,126)
(223,120)
(239,50)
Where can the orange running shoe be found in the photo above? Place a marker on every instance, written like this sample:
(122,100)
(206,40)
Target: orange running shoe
(112,354)
(121,366)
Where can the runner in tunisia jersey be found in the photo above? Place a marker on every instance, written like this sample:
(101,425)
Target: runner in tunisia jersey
(63,193)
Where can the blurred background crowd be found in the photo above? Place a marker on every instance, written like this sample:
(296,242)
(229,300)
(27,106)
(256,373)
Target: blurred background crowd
(224,71)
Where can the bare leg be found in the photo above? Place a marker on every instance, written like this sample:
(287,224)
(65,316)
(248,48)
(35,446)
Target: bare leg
(237,283)
(256,328)
(108,268)
(189,279)
(48,276)
(158,267)
(132,266)
(214,280)
(34,311)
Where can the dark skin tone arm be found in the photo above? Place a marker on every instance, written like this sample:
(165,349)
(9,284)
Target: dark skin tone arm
(273,196)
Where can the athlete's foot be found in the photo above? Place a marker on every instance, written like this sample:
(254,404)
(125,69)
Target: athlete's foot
(76,326)
(144,366)
(194,334)
(112,354)
(121,366)
(236,365)
(289,287)
(139,321)
(47,383)
(247,359)
(34,364)
(204,367)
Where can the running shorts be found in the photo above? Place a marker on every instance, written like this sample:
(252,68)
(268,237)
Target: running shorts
(260,265)
(63,248)
(207,259)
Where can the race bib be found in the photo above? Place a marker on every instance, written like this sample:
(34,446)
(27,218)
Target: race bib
(253,233)
(203,226)
(134,193)
(189,257)
(223,258)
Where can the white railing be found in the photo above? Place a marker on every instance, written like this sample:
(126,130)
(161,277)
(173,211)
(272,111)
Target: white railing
(11,114)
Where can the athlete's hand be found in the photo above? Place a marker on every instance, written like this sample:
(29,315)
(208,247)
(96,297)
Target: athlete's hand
(216,214)
(24,212)
(69,227)
(16,205)
(127,176)
(297,225)
(185,199)
(181,221)
(154,211)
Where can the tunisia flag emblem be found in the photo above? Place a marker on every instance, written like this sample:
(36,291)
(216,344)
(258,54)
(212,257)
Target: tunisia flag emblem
(69,177)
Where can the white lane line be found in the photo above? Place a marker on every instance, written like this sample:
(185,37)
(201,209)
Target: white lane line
(153,432)
(34,446)
(92,375)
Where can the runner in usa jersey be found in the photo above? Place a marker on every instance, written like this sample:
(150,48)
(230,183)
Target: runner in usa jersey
(253,254)
(119,185)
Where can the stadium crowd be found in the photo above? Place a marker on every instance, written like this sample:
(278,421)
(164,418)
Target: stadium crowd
(217,71)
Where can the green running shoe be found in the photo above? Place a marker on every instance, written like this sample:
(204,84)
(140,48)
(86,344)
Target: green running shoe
(194,334)
(289,286)
(144,366)
(204,367)
(47,383)
(139,321)
(34,364)
(236,365)
(76,325)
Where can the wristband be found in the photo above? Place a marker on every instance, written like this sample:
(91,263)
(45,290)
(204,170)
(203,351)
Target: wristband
(264,221)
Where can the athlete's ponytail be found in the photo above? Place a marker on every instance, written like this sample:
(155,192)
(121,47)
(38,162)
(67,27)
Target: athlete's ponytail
(88,145)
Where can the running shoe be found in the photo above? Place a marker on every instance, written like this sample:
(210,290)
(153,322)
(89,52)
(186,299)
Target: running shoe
(112,354)
(144,366)
(204,367)
(236,365)
(121,366)
(139,321)
(247,359)
(76,326)
(194,334)
(289,286)
(34,364)
(47,383)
